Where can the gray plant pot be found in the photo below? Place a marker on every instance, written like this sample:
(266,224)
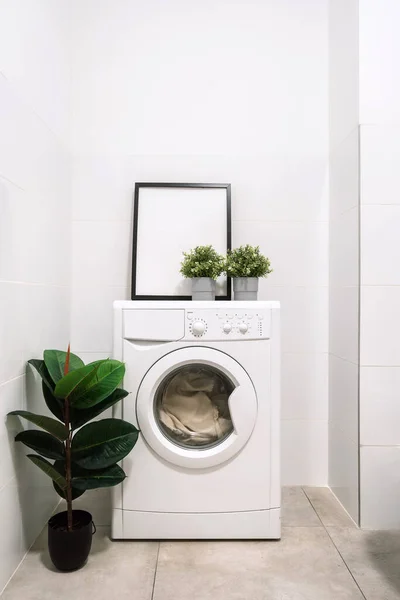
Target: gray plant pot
(203,288)
(245,288)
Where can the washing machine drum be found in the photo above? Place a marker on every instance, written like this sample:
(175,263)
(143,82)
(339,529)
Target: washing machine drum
(196,407)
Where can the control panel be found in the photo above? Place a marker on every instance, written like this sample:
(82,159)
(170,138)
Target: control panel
(227,324)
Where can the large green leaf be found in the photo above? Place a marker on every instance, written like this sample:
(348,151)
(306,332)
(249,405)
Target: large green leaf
(59,466)
(80,416)
(43,372)
(95,387)
(55,363)
(43,443)
(55,405)
(68,384)
(99,478)
(46,423)
(99,385)
(63,494)
(103,443)
(49,469)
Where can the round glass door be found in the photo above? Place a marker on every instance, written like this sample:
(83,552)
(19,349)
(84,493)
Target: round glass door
(191,406)
(196,407)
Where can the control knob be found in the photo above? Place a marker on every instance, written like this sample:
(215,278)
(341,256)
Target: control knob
(198,328)
(243,327)
(227,327)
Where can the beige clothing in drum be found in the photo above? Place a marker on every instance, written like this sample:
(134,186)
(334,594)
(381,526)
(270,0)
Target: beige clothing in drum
(189,407)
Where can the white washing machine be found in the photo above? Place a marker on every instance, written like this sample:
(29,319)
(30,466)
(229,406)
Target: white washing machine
(204,383)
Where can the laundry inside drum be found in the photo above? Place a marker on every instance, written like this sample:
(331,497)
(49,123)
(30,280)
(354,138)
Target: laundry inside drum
(191,406)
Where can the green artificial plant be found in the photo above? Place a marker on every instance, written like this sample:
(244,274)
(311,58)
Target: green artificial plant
(202,261)
(247,261)
(83,455)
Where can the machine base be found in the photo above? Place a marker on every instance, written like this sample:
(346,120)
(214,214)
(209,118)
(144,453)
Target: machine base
(137,525)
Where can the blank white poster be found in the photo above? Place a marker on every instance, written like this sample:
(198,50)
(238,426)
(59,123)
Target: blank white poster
(172,221)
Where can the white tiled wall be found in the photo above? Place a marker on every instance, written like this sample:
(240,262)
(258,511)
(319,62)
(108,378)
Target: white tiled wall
(344,253)
(380,326)
(34,245)
(153,102)
(380,253)
(344,324)
(379,46)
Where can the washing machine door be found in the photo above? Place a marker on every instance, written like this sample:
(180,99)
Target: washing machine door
(196,407)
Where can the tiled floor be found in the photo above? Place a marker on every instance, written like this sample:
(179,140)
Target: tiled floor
(322,556)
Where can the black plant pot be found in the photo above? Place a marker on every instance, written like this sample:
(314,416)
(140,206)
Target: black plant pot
(69,549)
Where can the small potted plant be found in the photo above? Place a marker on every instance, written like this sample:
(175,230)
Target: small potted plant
(83,455)
(202,265)
(245,265)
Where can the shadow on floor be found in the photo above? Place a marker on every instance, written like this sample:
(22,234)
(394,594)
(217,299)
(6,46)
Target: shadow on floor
(383,549)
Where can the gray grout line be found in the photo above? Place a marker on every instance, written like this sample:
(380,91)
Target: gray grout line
(347,566)
(155,571)
(334,545)
(313,507)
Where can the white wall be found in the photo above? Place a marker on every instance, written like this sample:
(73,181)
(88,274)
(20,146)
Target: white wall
(34,244)
(380,254)
(210,91)
(344,253)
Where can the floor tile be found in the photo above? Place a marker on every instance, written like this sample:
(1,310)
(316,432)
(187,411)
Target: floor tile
(304,565)
(297,510)
(122,570)
(328,508)
(373,557)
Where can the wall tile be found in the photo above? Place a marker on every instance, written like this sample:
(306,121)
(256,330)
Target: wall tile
(11,546)
(294,188)
(11,398)
(304,452)
(380,406)
(380,158)
(34,158)
(45,319)
(91,317)
(298,251)
(37,500)
(101,253)
(344,397)
(344,249)
(124,96)
(11,334)
(304,316)
(379,46)
(380,490)
(343,323)
(305,386)
(343,69)
(380,247)
(102,188)
(35,58)
(89,357)
(343,469)
(343,175)
(380,326)
(34,245)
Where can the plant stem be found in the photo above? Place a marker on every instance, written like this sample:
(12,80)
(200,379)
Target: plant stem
(68,466)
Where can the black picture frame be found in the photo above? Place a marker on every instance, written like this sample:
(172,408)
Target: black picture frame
(138,187)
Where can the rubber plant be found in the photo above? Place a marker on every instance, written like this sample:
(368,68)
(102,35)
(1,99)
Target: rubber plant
(83,455)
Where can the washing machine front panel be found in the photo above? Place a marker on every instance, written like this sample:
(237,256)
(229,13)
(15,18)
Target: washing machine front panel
(196,407)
